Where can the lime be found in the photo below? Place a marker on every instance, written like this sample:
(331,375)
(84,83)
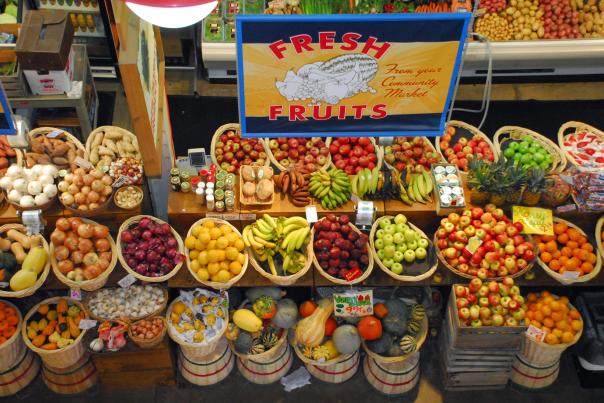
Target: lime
(525,144)
(526,158)
(513,145)
(538,157)
(517,156)
(544,165)
(509,152)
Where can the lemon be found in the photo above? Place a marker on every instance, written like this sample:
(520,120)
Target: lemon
(215,233)
(239,244)
(204,237)
(203,258)
(190,242)
(200,245)
(231,253)
(193,254)
(179,308)
(223,276)
(211,245)
(213,256)
(226,229)
(196,230)
(241,258)
(222,243)
(224,265)
(208,224)
(203,274)
(221,255)
(232,237)
(235,268)
(213,268)
(195,266)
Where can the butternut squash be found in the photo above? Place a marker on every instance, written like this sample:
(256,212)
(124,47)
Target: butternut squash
(62,306)
(49,346)
(73,328)
(38,340)
(311,330)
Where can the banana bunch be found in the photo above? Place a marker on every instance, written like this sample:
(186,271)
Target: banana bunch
(417,186)
(366,181)
(332,187)
(286,236)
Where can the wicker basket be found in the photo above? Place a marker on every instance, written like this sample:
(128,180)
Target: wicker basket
(389,360)
(379,152)
(265,356)
(42,131)
(271,156)
(208,370)
(213,284)
(71,380)
(252,201)
(339,281)
(195,350)
(339,372)
(61,358)
(574,126)
(90,295)
(426,139)
(149,343)
(531,376)
(89,213)
(474,131)
(19,374)
(507,133)
(599,240)
(133,220)
(393,379)
(122,189)
(12,348)
(41,278)
(236,128)
(100,131)
(431,269)
(267,372)
(309,361)
(42,207)
(581,279)
(87,285)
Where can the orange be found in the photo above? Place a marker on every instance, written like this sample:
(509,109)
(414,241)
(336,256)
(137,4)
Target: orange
(587,267)
(592,258)
(562,325)
(544,294)
(530,315)
(551,246)
(537,238)
(562,238)
(563,300)
(554,265)
(532,307)
(576,325)
(557,316)
(577,261)
(563,259)
(567,337)
(573,234)
(546,311)
(535,323)
(554,306)
(570,265)
(531,297)
(548,238)
(541,247)
(582,240)
(548,322)
(566,251)
(551,339)
(557,332)
(588,247)
(546,329)
(574,314)
(583,254)
(546,257)
(572,244)
(560,228)
(539,316)
(556,254)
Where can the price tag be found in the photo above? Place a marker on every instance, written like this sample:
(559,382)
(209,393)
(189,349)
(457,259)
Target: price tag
(535,220)
(535,333)
(231,216)
(566,208)
(571,275)
(353,303)
(54,133)
(365,214)
(75,294)
(247,217)
(353,273)
(311,214)
(4,284)
(86,324)
(121,181)
(127,281)
(33,221)
(82,163)
(354,198)
(218,216)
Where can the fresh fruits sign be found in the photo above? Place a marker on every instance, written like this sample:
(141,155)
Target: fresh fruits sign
(347,75)
(353,303)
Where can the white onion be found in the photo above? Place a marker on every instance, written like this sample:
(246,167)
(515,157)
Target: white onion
(34,188)
(14,171)
(50,190)
(46,179)
(50,170)
(41,199)
(6,183)
(37,170)
(20,184)
(26,201)
(14,196)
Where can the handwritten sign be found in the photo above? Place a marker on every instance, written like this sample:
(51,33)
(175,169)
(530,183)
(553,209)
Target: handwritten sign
(535,220)
(127,281)
(87,324)
(535,333)
(353,303)
(363,74)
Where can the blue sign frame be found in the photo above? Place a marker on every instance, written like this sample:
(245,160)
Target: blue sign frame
(8,115)
(272,25)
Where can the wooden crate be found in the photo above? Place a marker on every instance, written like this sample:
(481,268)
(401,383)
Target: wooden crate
(14,84)
(486,337)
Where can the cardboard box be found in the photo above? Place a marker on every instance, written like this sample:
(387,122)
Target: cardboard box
(51,82)
(45,40)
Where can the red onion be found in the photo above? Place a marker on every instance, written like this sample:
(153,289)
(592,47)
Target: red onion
(171,243)
(144,223)
(166,229)
(152,256)
(147,235)
(141,268)
(171,253)
(140,255)
(132,262)
(126,237)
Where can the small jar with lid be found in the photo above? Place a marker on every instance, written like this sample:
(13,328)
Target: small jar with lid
(185,177)
(210,185)
(200,195)
(229,203)
(229,183)
(194,182)
(203,174)
(210,202)
(229,193)
(219,206)
(175,183)
(219,194)
(185,187)
(221,176)
(220,184)
(174,172)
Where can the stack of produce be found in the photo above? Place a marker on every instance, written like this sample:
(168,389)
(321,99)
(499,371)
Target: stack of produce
(410,151)
(560,20)
(257,185)
(54,325)
(30,188)
(148,333)
(215,251)
(585,148)
(433,7)
(9,321)
(287,152)
(53,146)
(492,6)
(7,153)
(351,154)
(85,190)
(397,328)
(20,269)
(332,187)
(128,197)
(560,321)
(128,170)
(107,144)
(340,250)
(231,151)
(525,19)
(494,27)
(320,337)
(111,336)
(288,237)
(134,302)
(415,185)
(591,17)
(365,182)
(294,182)
(81,251)
(528,153)
(199,317)
(490,304)
(458,150)
(484,244)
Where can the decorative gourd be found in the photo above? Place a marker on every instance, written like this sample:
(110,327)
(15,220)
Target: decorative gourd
(414,327)
(247,320)
(244,343)
(395,323)
(331,347)
(408,344)
(310,330)
(381,345)
(320,353)
(346,339)
(418,312)
(287,314)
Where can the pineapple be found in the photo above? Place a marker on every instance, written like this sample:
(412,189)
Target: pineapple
(536,184)
(479,181)
(516,175)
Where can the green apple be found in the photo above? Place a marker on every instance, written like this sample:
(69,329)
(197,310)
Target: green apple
(417,236)
(380,254)
(409,235)
(388,262)
(388,239)
(379,244)
(384,222)
(390,229)
(379,234)
(402,247)
(389,250)
(423,243)
(401,228)
(409,256)
(412,245)
(397,268)
(421,253)
(398,256)
(400,219)
(398,238)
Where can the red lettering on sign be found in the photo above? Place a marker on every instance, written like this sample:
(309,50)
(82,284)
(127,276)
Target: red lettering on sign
(358,111)
(379,111)
(274,111)
(342,112)
(296,112)
(351,40)
(326,39)
(317,112)
(380,50)
(301,42)
(278,48)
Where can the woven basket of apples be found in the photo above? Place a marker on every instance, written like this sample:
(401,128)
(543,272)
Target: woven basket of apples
(412,151)
(484,243)
(352,154)
(287,152)
(230,151)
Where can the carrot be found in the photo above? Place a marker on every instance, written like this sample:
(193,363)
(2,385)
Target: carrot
(49,346)
(8,332)
(2,339)
(12,320)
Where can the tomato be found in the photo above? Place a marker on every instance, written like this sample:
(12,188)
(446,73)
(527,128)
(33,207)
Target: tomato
(370,328)
(380,310)
(307,308)
(330,326)
(364,141)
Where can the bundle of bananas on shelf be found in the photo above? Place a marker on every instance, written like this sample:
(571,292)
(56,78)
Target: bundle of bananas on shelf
(285,236)
(332,187)
(415,186)
(367,181)
(294,182)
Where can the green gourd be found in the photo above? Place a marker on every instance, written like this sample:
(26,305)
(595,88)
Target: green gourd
(346,339)
(287,314)
(414,327)
(244,342)
(381,345)
(408,344)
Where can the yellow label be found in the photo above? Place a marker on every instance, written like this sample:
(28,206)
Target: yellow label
(535,220)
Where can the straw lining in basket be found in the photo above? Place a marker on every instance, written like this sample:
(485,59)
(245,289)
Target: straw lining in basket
(236,128)
(388,360)
(157,312)
(41,278)
(578,126)
(251,200)
(431,270)
(339,281)
(271,156)
(135,219)
(10,349)
(101,129)
(379,152)
(42,131)
(214,284)
(148,343)
(87,285)
(506,133)
(580,279)
(599,240)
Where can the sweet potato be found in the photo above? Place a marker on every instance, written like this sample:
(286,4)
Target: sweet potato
(3,162)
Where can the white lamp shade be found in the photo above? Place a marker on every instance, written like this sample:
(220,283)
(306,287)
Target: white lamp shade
(172,17)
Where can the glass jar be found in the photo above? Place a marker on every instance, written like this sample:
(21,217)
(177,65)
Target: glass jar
(210,202)
(185,187)
(200,194)
(219,194)
(229,203)
(175,183)
(219,206)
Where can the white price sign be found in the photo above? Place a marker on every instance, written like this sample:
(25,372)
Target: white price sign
(86,324)
(311,214)
(353,303)
(127,281)
(535,333)
(75,294)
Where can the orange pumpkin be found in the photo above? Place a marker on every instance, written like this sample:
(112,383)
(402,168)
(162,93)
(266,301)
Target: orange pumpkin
(370,328)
